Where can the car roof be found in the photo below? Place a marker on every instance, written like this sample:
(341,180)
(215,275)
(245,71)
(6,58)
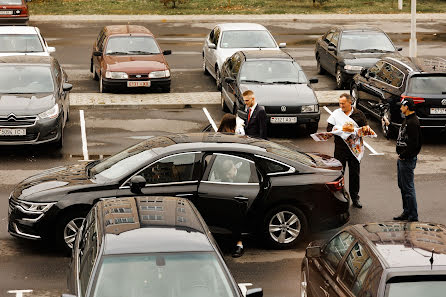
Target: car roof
(127,29)
(404,244)
(421,64)
(151,224)
(240,26)
(18,30)
(358,28)
(27,59)
(266,54)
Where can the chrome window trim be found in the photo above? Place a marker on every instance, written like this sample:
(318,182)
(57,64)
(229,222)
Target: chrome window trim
(178,154)
(290,168)
(233,156)
(228,183)
(164,184)
(404,77)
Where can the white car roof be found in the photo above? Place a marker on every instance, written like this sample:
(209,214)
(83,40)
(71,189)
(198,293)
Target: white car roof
(18,30)
(241,26)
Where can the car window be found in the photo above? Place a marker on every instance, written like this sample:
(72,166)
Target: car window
(101,42)
(211,36)
(376,68)
(271,166)
(329,36)
(366,41)
(236,63)
(370,284)
(88,251)
(335,250)
(232,169)
(272,71)
(335,38)
(216,35)
(176,168)
(427,84)
(132,45)
(390,75)
(20,43)
(247,39)
(353,264)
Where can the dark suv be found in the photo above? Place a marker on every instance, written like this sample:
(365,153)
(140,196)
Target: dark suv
(379,259)
(393,78)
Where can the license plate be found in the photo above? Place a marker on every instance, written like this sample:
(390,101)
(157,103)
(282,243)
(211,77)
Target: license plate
(138,84)
(438,110)
(12,132)
(5,11)
(283,120)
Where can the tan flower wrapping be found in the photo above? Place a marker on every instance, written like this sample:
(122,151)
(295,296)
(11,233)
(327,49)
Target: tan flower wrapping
(348,127)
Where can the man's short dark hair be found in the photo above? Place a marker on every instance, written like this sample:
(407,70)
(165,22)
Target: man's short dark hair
(346,96)
(248,93)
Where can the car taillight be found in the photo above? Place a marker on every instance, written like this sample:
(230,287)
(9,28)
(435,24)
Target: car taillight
(337,185)
(416,100)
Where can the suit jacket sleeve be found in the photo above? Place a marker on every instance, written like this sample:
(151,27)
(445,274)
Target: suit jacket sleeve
(262,123)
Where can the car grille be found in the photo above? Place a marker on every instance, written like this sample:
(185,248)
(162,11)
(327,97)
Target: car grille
(13,202)
(27,137)
(17,121)
(139,76)
(279,109)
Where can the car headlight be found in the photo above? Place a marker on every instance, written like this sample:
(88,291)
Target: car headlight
(159,74)
(310,108)
(116,75)
(353,68)
(51,113)
(35,207)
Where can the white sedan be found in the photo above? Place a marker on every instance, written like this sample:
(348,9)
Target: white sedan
(23,40)
(226,39)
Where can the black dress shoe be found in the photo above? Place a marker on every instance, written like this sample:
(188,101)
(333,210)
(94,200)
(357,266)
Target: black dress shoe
(401,217)
(356,203)
(238,252)
(412,219)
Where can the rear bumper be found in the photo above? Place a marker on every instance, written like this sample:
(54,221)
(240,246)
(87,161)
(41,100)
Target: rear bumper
(14,20)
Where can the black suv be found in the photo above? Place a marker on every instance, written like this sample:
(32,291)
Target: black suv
(393,78)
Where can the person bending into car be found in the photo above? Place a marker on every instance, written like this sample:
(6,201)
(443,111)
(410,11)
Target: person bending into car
(342,151)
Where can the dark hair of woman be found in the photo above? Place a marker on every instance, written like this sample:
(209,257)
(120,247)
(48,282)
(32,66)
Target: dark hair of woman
(227,124)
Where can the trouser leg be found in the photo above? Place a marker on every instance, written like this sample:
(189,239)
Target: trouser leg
(400,172)
(408,184)
(354,179)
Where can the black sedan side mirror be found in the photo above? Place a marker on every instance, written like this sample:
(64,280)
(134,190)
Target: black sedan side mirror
(257,292)
(97,53)
(137,183)
(313,252)
(229,80)
(399,49)
(67,87)
(212,46)
(313,80)
(331,48)
(167,52)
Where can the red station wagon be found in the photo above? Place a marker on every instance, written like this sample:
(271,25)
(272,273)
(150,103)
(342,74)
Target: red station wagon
(14,11)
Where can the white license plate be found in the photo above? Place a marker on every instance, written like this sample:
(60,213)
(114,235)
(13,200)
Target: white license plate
(12,132)
(5,11)
(438,110)
(283,120)
(138,84)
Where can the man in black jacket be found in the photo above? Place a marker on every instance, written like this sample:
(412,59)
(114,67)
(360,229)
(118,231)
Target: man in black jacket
(342,151)
(255,123)
(408,145)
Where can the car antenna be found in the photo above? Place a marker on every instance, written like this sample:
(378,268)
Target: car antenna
(431,260)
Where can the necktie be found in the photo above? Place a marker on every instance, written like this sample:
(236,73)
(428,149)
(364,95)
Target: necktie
(249,114)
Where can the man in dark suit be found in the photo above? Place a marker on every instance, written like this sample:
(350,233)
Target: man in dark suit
(255,123)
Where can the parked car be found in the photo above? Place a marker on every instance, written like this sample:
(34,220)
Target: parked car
(284,191)
(148,246)
(228,38)
(14,11)
(34,104)
(279,84)
(23,40)
(389,259)
(344,50)
(128,56)
(393,78)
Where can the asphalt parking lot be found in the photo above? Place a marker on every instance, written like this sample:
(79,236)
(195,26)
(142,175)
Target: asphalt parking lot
(26,265)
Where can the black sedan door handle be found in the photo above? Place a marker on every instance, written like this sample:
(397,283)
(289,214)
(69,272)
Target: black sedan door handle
(184,195)
(241,198)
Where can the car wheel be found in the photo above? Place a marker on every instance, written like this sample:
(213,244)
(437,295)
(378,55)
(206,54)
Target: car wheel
(166,89)
(68,226)
(303,283)
(205,71)
(102,88)
(284,226)
(217,78)
(355,96)
(320,69)
(59,142)
(386,126)
(339,79)
(312,127)
(224,107)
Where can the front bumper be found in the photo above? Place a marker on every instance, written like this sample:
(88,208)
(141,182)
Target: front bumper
(301,118)
(155,83)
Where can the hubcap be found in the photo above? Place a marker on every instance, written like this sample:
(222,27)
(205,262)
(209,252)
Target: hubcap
(284,227)
(70,231)
(303,284)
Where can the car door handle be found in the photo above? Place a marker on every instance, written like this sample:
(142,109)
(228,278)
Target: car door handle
(184,195)
(241,198)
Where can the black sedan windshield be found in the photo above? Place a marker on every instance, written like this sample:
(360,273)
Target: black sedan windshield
(20,43)
(272,71)
(132,45)
(247,39)
(174,274)
(365,42)
(24,79)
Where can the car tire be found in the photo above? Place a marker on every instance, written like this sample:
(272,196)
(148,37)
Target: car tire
(224,107)
(355,96)
(205,70)
(217,78)
(94,74)
(59,142)
(67,227)
(312,127)
(102,88)
(284,226)
(389,130)
(339,79)
(303,283)
(320,69)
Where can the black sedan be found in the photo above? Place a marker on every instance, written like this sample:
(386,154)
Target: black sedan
(278,192)
(34,101)
(148,246)
(344,51)
(278,83)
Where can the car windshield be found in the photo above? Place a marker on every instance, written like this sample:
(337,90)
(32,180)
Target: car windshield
(20,43)
(416,289)
(10,2)
(366,42)
(170,275)
(247,39)
(132,45)
(427,84)
(272,71)
(24,79)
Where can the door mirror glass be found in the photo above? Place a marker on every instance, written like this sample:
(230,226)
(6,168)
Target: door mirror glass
(67,87)
(331,48)
(363,72)
(229,80)
(314,80)
(167,52)
(313,252)
(97,53)
(51,49)
(212,46)
(282,45)
(256,292)
(137,183)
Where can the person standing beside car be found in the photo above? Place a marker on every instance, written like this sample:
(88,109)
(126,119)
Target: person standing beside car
(255,123)
(408,146)
(342,151)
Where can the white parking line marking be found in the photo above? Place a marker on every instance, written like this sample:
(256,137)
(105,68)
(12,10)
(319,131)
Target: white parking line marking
(19,293)
(374,153)
(206,112)
(83,135)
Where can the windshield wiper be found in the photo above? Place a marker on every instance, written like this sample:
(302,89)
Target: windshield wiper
(118,53)
(287,82)
(143,52)
(255,81)
(374,50)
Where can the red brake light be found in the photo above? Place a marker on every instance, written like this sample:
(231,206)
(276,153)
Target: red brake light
(337,185)
(416,100)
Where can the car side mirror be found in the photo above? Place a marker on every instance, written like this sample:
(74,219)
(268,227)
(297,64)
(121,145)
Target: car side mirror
(229,80)
(212,46)
(313,80)
(256,292)
(282,45)
(167,52)
(97,53)
(313,252)
(363,72)
(399,49)
(51,49)
(331,48)
(67,87)
(137,182)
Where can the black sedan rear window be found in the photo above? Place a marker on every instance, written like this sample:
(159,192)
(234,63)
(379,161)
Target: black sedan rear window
(286,152)
(427,84)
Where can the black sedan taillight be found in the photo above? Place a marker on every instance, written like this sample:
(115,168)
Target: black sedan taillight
(337,185)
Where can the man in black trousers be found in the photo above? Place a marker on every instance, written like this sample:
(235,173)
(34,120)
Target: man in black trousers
(255,123)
